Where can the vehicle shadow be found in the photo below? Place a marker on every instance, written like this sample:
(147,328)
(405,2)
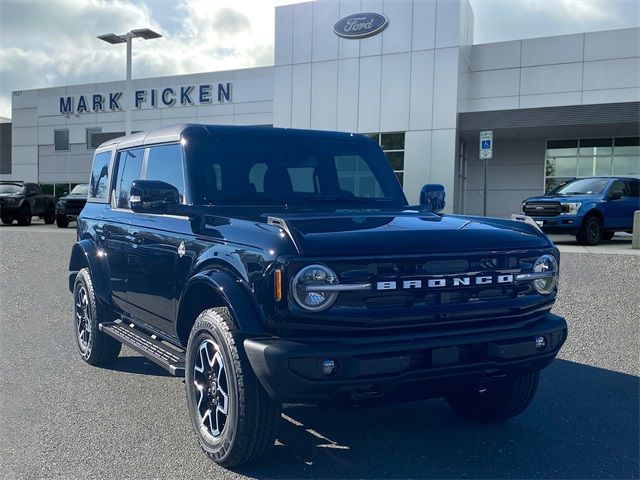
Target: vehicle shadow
(583,423)
(138,365)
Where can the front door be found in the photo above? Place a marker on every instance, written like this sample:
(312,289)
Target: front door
(157,245)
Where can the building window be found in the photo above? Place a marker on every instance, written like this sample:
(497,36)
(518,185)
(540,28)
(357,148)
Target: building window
(61,139)
(90,132)
(392,145)
(98,138)
(587,157)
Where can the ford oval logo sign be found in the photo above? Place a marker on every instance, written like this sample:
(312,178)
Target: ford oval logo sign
(360,25)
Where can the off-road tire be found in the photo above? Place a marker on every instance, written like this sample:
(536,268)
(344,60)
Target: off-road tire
(62,221)
(100,349)
(24,215)
(252,417)
(500,401)
(49,216)
(7,220)
(591,231)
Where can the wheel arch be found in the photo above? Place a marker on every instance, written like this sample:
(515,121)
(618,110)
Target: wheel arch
(217,288)
(85,254)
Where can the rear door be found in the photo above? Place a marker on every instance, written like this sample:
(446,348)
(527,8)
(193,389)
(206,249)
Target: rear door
(616,210)
(632,202)
(157,246)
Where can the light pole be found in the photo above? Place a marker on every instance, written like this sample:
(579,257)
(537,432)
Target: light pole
(112,38)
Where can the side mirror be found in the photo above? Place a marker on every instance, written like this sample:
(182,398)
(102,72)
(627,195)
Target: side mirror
(152,196)
(432,197)
(616,194)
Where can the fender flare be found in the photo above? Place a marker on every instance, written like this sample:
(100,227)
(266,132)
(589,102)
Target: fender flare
(85,253)
(233,293)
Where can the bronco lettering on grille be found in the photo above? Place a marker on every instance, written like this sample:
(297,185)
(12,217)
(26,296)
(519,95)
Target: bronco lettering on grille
(445,282)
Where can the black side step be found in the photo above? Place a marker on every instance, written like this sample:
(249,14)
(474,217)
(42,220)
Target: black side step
(163,355)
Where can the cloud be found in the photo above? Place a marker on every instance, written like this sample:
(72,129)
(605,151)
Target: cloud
(53,43)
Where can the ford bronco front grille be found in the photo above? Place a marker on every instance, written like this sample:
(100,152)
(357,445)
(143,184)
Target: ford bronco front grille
(423,307)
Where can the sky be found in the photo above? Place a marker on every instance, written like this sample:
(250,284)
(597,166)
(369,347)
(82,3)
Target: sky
(53,42)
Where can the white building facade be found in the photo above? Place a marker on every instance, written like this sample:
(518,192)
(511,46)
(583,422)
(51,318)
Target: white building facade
(559,107)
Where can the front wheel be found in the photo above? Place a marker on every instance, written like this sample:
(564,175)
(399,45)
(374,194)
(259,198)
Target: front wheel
(49,216)
(590,232)
(24,215)
(497,401)
(95,347)
(62,221)
(231,413)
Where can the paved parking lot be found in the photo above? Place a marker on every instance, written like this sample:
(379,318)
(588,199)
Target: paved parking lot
(61,418)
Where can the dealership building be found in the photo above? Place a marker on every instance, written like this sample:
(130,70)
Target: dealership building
(404,72)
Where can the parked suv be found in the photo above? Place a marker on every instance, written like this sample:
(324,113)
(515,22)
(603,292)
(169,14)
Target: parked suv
(21,201)
(592,208)
(274,266)
(69,206)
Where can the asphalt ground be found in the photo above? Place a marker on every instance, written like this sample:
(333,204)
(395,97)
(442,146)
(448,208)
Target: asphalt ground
(61,418)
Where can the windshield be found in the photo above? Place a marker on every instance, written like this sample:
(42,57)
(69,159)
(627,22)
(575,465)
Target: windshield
(82,189)
(10,188)
(276,170)
(583,186)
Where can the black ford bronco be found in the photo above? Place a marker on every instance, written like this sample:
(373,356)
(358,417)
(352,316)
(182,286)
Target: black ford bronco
(273,266)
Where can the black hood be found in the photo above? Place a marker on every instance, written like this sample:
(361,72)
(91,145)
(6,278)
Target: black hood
(396,233)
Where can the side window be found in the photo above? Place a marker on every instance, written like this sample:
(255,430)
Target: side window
(620,185)
(256,176)
(164,163)
(634,188)
(303,179)
(99,181)
(129,167)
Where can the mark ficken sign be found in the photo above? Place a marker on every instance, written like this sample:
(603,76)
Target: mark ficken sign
(203,94)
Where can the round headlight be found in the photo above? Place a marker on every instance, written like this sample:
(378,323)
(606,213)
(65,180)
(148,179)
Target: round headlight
(546,264)
(310,298)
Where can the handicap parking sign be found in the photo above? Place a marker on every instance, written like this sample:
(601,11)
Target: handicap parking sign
(486,144)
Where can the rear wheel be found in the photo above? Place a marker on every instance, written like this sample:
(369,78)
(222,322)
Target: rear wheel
(24,215)
(7,220)
(49,216)
(95,347)
(591,231)
(62,221)
(497,401)
(233,416)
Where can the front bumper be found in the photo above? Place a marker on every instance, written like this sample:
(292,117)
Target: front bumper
(569,224)
(290,370)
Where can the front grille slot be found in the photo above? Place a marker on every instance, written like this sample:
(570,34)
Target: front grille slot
(542,209)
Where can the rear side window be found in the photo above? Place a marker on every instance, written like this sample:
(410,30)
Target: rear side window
(164,163)
(99,181)
(620,185)
(129,168)
(634,188)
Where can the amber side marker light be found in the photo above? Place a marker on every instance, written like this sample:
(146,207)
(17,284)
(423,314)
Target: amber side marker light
(277,284)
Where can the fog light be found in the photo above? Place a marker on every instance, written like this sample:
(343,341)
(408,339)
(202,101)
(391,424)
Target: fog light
(329,367)
(541,343)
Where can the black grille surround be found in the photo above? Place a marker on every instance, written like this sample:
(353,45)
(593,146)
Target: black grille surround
(407,311)
(542,209)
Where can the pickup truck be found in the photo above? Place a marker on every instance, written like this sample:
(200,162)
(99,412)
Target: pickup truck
(592,208)
(271,266)
(23,200)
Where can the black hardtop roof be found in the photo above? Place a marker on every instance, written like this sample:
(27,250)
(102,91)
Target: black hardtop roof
(187,131)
